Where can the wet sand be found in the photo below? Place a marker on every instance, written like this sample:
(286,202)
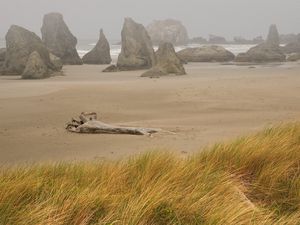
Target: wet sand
(212,103)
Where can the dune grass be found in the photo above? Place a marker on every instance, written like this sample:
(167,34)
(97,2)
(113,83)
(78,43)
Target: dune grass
(253,180)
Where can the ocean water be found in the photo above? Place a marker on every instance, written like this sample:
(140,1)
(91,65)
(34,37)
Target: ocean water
(84,46)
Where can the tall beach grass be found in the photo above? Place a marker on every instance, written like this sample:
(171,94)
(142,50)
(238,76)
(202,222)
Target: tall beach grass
(253,180)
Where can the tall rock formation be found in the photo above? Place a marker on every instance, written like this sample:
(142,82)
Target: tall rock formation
(269,51)
(169,30)
(167,62)
(20,43)
(137,51)
(273,36)
(100,54)
(58,38)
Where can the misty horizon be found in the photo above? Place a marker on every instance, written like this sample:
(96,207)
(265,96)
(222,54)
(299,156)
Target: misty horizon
(229,19)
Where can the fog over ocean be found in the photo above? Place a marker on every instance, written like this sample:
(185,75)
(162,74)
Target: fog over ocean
(85,46)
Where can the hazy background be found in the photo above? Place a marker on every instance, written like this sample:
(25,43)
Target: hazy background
(229,18)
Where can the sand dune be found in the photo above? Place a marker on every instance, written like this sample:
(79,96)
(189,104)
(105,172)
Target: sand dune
(212,103)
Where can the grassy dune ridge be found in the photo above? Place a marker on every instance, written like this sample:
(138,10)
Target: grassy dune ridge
(253,180)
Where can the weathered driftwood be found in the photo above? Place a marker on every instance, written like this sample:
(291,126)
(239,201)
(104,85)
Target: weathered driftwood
(88,123)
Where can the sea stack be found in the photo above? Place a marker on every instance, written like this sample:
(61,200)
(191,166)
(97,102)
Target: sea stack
(167,62)
(273,36)
(100,54)
(58,38)
(20,44)
(137,50)
(269,51)
(169,30)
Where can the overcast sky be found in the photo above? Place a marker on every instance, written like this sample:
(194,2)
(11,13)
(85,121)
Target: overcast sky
(248,18)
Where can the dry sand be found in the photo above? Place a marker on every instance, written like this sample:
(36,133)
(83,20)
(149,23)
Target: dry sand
(212,103)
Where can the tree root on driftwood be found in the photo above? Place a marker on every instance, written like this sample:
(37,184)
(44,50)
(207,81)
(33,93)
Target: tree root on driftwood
(89,124)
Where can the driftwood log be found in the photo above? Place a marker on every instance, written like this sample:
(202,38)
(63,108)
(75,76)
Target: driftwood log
(89,124)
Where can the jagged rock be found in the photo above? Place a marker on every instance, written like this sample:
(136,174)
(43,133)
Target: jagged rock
(111,68)
(58,38)
(137,51)
(2,54)
(293,57)
(269,51)
(206,54)
(169,30)
(167,62)
(100,54)
(35,67)
(20,44)
(293,47)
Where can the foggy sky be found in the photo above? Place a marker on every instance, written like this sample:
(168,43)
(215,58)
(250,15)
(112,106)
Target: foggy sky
(248,18)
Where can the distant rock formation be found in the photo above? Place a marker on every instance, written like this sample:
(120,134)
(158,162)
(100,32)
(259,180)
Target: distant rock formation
(269,51)
(206,54)
(198,40)
(241,40)
(58,38)
(258,40)
(273,36)
(20,44)
(167,62)
(35,67)
(214,39)
(169,30)
(137,51)
(100,54)
(292,47)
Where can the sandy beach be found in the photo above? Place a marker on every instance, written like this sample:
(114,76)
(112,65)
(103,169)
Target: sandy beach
(213,103)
